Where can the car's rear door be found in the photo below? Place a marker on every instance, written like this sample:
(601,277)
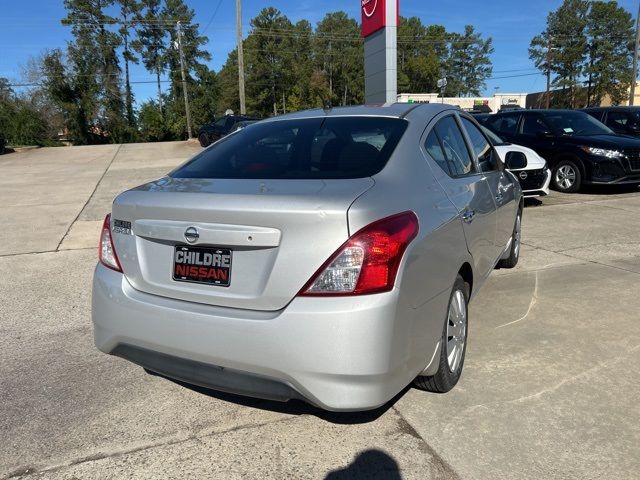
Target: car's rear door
(536,133)
(467,189)
(500,184)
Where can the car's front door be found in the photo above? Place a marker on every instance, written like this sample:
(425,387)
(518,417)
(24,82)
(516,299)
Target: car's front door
(467,189)
(500,184)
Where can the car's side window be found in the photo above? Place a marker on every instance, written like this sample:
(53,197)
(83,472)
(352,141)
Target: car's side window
(487,159)
(617,119)
(434,148)
(454,146)
(504,124)
(534,125)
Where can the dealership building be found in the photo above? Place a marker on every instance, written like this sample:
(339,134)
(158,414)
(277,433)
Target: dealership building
(499,101)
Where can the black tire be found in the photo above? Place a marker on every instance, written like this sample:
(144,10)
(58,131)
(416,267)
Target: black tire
(567,177)
(446,378)
(204,140)
(514,253)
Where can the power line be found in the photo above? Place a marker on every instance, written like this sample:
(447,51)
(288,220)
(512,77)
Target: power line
(215,12)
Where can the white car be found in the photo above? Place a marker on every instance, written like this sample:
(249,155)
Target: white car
(535,177)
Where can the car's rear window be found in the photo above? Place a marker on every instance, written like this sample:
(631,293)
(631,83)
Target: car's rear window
(315,148)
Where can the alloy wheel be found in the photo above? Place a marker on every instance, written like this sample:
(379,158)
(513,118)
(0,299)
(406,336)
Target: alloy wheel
(565,177)
(516,236)
(456,330)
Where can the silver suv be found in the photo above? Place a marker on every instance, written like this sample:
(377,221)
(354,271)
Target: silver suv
(327,255)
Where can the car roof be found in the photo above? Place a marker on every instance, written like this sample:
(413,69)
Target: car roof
(540,110)
(392,110)
(614,107)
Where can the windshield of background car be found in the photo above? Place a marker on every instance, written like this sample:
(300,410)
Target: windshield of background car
(314,148)
(495,139)
(576,123)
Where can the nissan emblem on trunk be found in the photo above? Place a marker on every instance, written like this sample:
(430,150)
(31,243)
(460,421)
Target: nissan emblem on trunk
(191,235)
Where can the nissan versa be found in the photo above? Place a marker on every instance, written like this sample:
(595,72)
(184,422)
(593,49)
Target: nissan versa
(326,255)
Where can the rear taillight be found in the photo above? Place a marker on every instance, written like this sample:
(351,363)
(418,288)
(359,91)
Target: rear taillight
(106,251)
(368,262)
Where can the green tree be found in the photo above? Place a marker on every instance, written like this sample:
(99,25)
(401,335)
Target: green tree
(228,84)
(421,54)
(93,56)
(129,10)
(468,66)
(151,41)
(339,54)
(269,62)
(565,41)
(152,124)
(610,34)
(192,46)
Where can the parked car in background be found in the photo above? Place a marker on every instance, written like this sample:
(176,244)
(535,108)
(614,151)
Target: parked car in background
(241,125)
(622,120)
(311,256)
(535,177)
(212,132)
(480,117)
(579,149)
(3,144)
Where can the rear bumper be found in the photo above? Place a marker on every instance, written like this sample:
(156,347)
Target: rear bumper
(341,354)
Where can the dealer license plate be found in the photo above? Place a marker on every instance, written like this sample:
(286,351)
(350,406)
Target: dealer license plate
(211,266)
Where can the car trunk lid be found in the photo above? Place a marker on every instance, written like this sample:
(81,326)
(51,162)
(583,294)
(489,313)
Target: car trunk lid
(276,232)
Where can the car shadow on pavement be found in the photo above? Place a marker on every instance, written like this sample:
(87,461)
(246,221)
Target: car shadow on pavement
(295,407)
(368,464)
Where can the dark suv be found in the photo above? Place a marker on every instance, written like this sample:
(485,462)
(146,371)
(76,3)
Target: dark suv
(578,148)
(222,127)
(622,120)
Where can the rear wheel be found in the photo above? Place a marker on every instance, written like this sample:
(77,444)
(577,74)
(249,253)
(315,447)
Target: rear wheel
(453,343)
(567,177)
(514,252)
(204,141)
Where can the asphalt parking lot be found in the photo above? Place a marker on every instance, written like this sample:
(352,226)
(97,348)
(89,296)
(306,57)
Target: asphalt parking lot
(550,388)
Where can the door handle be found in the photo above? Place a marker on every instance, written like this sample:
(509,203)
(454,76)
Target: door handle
(468,215)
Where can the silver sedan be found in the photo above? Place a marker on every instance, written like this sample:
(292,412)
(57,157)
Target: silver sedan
(326,255)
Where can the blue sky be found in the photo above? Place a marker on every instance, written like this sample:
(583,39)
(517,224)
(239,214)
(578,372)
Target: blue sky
(30,26)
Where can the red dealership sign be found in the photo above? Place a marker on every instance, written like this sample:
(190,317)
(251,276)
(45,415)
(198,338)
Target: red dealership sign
(374,15)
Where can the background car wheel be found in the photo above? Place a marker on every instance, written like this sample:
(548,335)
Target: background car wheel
(567,177)
(453,343)
(514,253)
(204,141)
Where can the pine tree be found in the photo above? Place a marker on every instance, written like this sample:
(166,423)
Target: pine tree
(192,43)
(468,66)
(152,41)
(610,35)
(339,54)
(129,10)
(269,62)
(94,62)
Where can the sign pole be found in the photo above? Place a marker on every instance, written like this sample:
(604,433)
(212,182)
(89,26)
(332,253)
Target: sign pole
(380,32)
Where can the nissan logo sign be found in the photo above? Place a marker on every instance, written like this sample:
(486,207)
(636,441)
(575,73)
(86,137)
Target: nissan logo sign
(369,7)
(523,175)
(191,235)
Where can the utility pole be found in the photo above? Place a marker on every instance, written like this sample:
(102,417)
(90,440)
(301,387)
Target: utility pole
(243,103)
(634,79)
(184,78)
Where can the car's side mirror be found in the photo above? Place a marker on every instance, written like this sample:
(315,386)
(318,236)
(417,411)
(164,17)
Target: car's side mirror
(515,161)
